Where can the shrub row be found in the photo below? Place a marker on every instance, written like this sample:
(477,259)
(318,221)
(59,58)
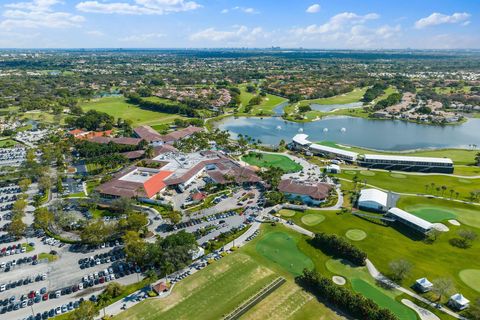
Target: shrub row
(339,247)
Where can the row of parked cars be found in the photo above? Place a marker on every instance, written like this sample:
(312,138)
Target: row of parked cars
(107,257)
(12,156)
(23,282)
(56,311)
(249,238)
(13,249)
(8,265)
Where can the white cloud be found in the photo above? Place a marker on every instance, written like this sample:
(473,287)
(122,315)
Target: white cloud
(439,18)
(336,23)
(142,37)
(238,35)
(314,8)
(95,33)
(138,7)
(37,14)
(246,10)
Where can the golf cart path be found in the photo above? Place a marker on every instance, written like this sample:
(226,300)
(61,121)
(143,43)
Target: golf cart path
(378,276)
(424,314)
(381,278)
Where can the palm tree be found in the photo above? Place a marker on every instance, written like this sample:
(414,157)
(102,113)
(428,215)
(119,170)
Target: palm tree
(103,301)
(457,194)
(149,152)
(477,159)
(444,188)
(426,188)
(451,192)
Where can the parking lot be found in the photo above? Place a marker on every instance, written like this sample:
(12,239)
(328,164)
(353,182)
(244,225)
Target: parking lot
(12,156)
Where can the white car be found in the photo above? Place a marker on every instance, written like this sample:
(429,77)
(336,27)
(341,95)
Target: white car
(58,310)
(80,286)
(2,288)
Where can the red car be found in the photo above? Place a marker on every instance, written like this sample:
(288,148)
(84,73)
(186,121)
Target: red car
(45,297)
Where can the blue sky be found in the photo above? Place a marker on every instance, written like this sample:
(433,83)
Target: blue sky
(357,24)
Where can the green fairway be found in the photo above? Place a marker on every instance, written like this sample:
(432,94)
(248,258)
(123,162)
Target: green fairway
(384,244)
(356,234)
(436,210)
(312,219)
(384,301)
(287,213)
(349,97)
(120,108)
(269,102)
(443,185)
(367,173)
(471,277)
(282,249)
(267,160)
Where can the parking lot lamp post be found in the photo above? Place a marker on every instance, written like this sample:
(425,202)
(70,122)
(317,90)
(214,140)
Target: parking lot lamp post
(33,313)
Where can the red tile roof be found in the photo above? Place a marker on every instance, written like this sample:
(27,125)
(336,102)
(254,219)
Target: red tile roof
(180,134)
(121,140)
(147,133)
(317,191)
(156,183)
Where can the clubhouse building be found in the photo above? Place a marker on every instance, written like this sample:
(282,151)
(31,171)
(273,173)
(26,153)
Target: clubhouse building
(309,193)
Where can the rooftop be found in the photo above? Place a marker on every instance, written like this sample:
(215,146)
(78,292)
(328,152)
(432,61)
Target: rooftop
(374,195)
(317,191)
(320,147)
(407,158)
(424,224)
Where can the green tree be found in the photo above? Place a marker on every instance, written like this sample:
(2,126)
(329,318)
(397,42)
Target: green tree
(400,269)
(86,311)
(17,227)
(24,184)
(442,287)
(114,289)
(43,217)
(135,247)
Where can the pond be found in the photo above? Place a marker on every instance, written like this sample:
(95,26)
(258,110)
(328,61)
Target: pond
(375,134)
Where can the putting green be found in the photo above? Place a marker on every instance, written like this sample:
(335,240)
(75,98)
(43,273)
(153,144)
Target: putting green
(312,219)
(384,301)
(398,176)
(282,249)
(433,214)
(287,213)
(356,234)
(466,181)
(471,277)
(367,173)
(351,172)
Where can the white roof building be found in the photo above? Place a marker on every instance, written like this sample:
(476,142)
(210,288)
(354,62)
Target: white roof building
(410,220)
(423,284)
(407,159)
(301,139)
(352,156)
(373,199)
(459,301)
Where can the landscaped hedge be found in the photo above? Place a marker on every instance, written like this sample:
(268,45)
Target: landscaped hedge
(349,302)
(339,247)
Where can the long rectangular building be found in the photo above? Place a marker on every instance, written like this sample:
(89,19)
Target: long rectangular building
(410,220)
(406,163)
(301,142)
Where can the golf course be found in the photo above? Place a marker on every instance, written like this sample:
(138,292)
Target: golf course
(267,160)
(118,107)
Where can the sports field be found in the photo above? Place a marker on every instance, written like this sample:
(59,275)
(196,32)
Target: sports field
(272,160)
(119,108)
(282,249)
(437,210)
(225,284)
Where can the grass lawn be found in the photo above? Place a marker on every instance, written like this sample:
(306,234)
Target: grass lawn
(48,256)
(416,184)
(92,184)
(222,286)
(269,102)
(384,244)
(119,108)
(383,300)
(272,160)
(471,277)
(437,210)
(282,249)
(349,97)
(312,219)
(7,143)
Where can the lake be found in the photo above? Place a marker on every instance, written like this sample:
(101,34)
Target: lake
(375,134)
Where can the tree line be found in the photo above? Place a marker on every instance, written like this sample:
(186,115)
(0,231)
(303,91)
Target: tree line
(339,247)
(352,303)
